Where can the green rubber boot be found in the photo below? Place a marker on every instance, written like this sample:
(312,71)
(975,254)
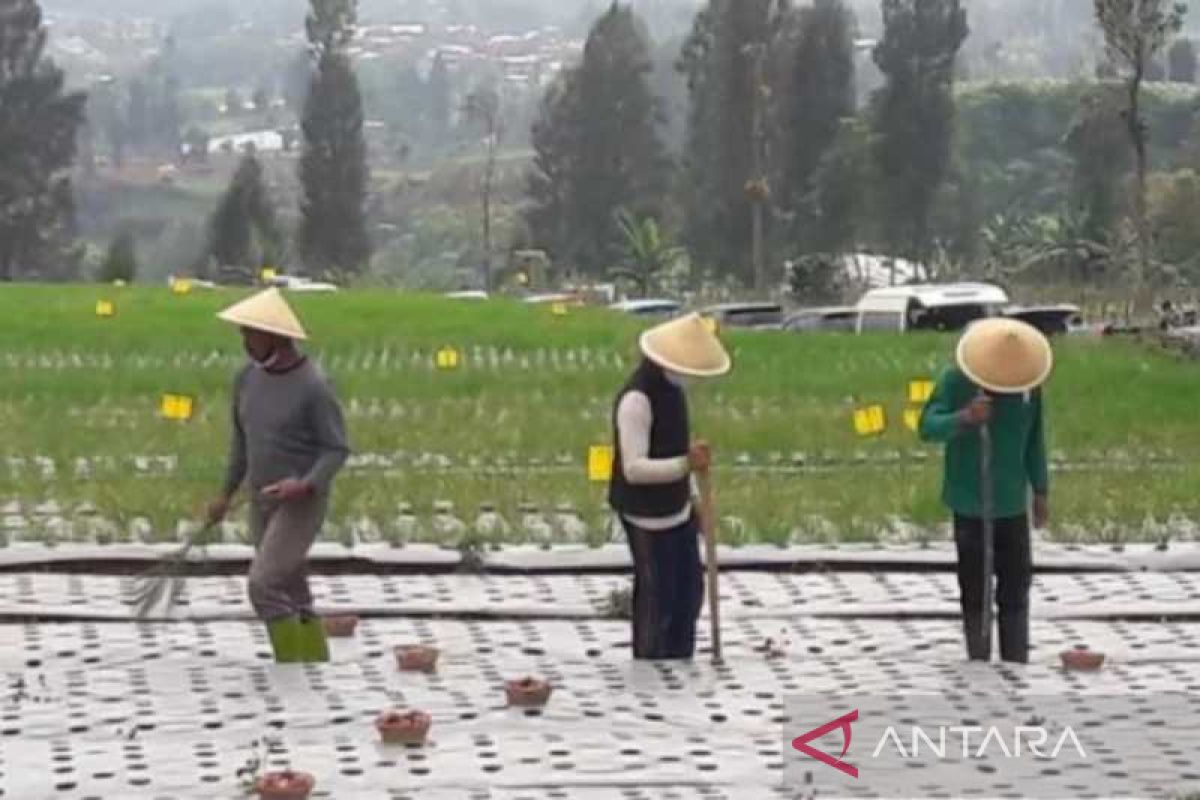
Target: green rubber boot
(285,635)
(312,647)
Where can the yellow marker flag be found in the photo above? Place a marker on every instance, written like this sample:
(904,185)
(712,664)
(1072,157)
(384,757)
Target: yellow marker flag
(105,308)
(177,407)
(268,274)
(448,358)
(600,463)
(920,390)
(870,420)
(912,419)
(558,309)
(181,286)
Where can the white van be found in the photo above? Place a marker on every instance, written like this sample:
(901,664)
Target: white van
(932,307)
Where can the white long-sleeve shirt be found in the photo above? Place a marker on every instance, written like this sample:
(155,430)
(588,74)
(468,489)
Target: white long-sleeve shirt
(634,420)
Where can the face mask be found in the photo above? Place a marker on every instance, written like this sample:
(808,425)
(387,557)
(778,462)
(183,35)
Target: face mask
(677,380)
(268,362)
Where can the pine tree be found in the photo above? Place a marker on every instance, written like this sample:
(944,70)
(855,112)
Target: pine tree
(333,167)
(120,264)
(243,231)
(598,148)
(1182,61)
(820,96)
(39,122)
(724,60)
(913,116)
(439,102)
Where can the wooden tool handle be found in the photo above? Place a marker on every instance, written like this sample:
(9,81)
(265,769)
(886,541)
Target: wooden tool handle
(708,522)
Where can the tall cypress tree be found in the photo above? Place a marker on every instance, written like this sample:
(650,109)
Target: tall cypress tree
(244,217)
(820,96)
(913,116)
(720,60)
(597,146)
(333,166)
(39,122)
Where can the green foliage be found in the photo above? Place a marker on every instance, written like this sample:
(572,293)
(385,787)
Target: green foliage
(120,264)
(333,166)
(815,99)
(597,148)
(39,121)
(244,218)
(718,60)
(650,262)
(913,116)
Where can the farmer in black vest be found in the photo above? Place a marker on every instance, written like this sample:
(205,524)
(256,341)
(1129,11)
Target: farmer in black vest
(651,487)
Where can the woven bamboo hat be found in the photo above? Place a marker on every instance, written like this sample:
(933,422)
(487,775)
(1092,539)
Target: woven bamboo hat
(266,311)
(1006,356)
(686,346)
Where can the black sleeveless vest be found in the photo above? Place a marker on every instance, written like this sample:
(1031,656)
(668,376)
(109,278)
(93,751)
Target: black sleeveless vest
(670,437)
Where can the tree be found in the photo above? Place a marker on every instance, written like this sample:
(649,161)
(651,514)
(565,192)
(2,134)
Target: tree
(549,186)
(482,109)
(597,147)
(1100,156)
(243,231)
(723,60)
(913,116)
(1181,62)
(439,102)
(333,166)
(39,122)
(120,264)
(1135,33)
(820,96)
(649,260)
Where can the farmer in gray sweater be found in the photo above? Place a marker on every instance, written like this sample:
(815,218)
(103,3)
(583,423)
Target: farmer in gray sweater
(288,442)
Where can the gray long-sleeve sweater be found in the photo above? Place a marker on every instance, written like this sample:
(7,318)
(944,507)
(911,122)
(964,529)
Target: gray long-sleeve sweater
(285,425)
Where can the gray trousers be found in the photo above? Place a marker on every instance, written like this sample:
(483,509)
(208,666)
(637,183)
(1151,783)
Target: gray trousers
(283,534)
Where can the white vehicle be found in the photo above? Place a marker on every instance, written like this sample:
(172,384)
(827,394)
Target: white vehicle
(931,307)
(469,294)
(658,307)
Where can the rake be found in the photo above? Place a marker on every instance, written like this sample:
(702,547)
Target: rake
(165,580)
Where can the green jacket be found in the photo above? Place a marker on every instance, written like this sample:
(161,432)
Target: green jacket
(1018,447)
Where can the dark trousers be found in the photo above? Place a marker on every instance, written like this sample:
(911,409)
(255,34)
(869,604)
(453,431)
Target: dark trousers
(668,590)
(1013,564)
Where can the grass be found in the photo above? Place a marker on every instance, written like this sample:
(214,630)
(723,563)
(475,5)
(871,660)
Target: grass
(535,391)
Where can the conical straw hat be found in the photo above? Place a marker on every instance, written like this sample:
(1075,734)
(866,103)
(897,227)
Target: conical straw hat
(686,346)
(1005,355)
(265,311)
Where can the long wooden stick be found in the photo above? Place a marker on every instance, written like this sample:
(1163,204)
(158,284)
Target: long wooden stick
(708,521)
(989,529)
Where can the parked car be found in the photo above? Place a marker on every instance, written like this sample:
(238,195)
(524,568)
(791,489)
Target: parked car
(556,297)
(840,319)
(1050,320)
(935,307)
(657,307)
(755,316)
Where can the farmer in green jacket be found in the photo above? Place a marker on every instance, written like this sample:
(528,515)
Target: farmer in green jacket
(1001,365)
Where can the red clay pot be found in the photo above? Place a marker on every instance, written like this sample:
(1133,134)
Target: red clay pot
(1081,660)
(528,692)
(403,727)
(416,658)
(340,626)
(286,785)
